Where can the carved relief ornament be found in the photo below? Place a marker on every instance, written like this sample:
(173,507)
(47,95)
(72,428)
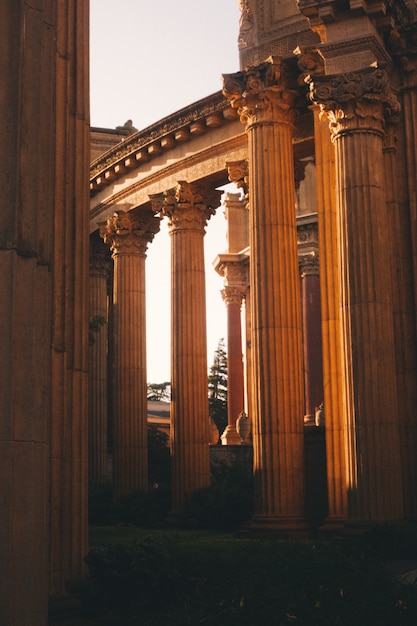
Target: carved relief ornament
(188,206)
(233,295)
(129,233)
(355,100)
(264,93)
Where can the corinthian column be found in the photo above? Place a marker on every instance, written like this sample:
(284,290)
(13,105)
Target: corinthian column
(401,176)
(128,234)
(311,316)
(265,99)
(100,263)
(188,207)
(354,104)
(233,297)
(336,444)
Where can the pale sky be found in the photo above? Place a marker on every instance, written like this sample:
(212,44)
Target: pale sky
(150,58)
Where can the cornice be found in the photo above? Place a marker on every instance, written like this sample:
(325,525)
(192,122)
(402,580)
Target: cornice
(197,118)
(239,142)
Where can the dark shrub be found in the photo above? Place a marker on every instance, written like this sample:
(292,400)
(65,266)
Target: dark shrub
(224,505)
(100,504)
(133,577)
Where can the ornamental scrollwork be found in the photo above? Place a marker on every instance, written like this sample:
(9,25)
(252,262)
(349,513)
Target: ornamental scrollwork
(355,98)
(189,206)
(129,233)
(265,92)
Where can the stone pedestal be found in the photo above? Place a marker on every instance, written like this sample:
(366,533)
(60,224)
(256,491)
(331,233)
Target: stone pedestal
(188,207)
(374,480)
(100,265)
(128,235)
(264,98)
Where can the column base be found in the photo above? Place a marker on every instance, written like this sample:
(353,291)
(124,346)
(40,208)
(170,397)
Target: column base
(281,527)
(230,436)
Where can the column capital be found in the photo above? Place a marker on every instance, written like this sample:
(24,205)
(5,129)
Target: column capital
(309,264)
(234,268)
(355,101)
(130,233)
(188,206)
(238,173)
(233,295)
(263,93)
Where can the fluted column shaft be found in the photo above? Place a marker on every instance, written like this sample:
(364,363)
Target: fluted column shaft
(129,234)
(401,176)
(233,296)
(264,100)
(368,354)
(334,406)
(69,423)
(98,368)
(312,352)
(188,208)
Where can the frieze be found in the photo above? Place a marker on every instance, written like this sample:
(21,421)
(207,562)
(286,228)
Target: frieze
(283,47)
(238,143)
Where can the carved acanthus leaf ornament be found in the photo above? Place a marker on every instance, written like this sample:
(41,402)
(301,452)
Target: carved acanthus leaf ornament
(264,93)
(129,233)
(233,295)
(189,206)
(355,100)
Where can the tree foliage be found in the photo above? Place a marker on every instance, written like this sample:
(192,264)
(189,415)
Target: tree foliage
(217,385)
(159,392)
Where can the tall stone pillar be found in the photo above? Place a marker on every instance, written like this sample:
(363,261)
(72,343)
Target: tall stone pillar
(100,265)
(27,128)
(400,151)
(69,386)
(188,207)
(264,96)
(129,234)
(233,297)
(334,405)
(311,317)
(355,104)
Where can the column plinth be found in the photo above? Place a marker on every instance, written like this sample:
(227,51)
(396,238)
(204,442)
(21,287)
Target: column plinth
(129,235)
(264,97)
(188,207)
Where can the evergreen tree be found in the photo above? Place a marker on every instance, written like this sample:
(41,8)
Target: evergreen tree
(159,392)
(217,385)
